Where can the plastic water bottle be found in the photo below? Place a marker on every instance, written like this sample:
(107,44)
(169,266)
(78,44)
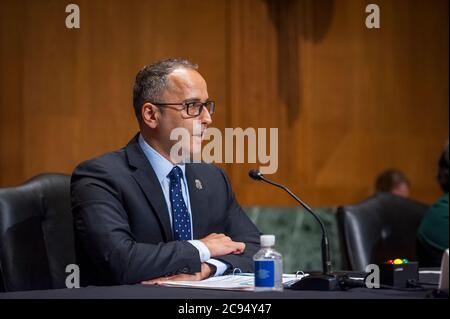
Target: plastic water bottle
(268,266)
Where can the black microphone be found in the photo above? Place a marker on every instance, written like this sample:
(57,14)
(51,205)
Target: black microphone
(326,280)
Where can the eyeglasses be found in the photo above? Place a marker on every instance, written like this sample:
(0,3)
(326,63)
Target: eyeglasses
(193,108)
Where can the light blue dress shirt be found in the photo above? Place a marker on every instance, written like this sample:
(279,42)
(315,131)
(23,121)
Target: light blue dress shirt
(162,168)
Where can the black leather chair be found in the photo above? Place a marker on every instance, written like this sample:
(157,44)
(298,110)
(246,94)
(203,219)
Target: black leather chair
(36,233)
(382,227)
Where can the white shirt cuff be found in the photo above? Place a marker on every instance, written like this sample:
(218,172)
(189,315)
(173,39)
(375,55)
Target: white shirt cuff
(221,267)
(202,250)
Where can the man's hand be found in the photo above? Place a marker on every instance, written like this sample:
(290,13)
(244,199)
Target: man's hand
(220,245)
(207,271)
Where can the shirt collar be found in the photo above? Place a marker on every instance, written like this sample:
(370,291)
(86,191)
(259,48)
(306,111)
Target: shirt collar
(161,165)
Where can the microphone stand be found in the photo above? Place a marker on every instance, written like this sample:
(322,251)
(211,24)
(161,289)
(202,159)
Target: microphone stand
(326,281)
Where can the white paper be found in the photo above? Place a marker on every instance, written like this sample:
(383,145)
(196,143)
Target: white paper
(241,281)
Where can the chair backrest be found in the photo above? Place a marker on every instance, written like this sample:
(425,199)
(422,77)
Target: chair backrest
(298,235)
(36,233)
(382,227)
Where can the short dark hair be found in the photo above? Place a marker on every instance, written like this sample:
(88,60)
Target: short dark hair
(443,170)
(390,178)
(151,81)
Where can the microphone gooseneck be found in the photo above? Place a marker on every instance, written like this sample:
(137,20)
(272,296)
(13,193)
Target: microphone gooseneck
(326,281)
(326,260)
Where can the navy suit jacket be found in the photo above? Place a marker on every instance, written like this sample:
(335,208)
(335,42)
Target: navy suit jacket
(122,228)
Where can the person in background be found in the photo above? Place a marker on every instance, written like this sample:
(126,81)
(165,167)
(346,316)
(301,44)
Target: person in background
(432,236)
(393,181)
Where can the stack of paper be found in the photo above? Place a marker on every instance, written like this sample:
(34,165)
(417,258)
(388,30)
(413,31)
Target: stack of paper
(240,281)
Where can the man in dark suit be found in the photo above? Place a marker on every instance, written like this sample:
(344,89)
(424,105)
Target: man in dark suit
(141,216)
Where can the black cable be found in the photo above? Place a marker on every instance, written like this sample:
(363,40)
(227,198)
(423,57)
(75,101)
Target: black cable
(427,283)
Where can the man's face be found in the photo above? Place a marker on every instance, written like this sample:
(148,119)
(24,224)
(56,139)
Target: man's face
(401,189)
(184,85)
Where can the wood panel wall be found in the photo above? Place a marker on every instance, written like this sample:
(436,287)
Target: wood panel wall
(348,102)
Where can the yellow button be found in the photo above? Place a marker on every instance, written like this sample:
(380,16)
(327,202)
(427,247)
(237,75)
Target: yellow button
(398,261)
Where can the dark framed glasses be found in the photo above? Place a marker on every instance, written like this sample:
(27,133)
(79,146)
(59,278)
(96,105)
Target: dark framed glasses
(193,108)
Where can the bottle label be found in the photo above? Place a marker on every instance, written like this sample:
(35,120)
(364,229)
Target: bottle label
(264,273)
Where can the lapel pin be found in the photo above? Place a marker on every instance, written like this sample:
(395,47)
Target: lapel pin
(198,184)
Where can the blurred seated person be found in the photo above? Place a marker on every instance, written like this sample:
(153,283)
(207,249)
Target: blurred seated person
(432,236)
(393,181)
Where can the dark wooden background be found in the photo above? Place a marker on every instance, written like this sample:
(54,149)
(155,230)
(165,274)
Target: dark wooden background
(348,101)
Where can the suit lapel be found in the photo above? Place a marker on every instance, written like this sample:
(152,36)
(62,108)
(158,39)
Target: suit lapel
(199,203)
(146,178)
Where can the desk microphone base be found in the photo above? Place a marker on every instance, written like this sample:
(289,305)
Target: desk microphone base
(317,282)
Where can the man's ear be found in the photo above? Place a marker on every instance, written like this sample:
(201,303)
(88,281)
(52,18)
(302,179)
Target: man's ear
(150,115)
